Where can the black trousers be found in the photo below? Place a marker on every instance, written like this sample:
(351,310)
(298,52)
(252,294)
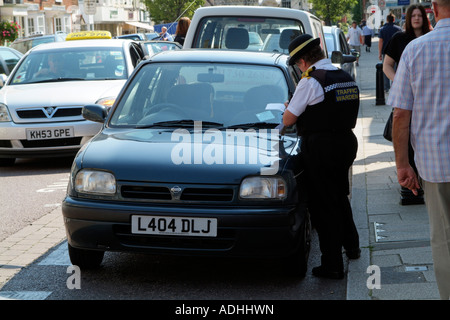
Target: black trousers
(327,158)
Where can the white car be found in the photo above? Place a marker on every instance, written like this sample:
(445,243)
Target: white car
(336,41)
(231,27)
(41,107)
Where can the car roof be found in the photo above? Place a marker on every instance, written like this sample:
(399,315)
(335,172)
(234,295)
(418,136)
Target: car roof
(250,10)
(81,43)
(59,36)
(3,48)
(225,55)
(330,29)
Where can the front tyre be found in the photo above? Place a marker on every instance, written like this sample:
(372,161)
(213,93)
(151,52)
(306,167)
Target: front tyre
(85,259)
(297,262)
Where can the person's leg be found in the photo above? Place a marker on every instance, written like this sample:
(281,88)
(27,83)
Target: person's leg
(327,161)
(437,200)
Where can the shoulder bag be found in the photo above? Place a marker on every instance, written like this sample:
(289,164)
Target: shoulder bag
(387,134)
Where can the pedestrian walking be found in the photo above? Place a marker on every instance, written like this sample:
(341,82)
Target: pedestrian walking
(368,33)
(355,39)
(324,108)
(416,25)
(385,34)
(420,94)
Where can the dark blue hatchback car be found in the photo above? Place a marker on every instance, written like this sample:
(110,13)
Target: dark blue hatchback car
(190,162)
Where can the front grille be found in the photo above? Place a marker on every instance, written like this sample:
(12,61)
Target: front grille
(225,240)
(67,112)
(5,144)
(59,113)
(207,194)
(145,192)
(51,143)
(30,114)
(188,194)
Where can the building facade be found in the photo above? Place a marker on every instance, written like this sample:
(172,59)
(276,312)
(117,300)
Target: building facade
(52,16)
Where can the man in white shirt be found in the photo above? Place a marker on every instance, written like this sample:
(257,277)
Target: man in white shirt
(355,39)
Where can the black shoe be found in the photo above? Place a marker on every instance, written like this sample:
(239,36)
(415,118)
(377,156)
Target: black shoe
(408,198)
(353,253)
(322,272)
(406,201)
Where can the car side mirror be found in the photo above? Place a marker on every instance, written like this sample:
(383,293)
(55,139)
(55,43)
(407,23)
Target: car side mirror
(349,58)
(95,112)
(337,57)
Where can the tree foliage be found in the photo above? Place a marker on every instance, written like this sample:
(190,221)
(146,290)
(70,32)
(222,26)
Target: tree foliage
(332,11)
(357,12)
(165,11)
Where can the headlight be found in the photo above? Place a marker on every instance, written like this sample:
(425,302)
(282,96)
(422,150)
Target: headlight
(4,115)
(263,188)
(107,102)
(97,182)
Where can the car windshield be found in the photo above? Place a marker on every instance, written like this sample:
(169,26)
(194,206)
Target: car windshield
(152,36)
(71,64)
(222,95)
(158,46)
(330,42)
(247,33)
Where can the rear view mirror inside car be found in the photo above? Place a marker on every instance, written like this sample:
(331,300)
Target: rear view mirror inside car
(210,77)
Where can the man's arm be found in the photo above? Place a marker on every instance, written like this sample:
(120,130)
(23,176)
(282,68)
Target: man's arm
(289,118)
(400,137)
(380,48)
(389,67)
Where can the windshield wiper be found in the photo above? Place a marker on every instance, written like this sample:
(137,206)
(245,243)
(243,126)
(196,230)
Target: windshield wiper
(177,123)
(59,79)
(252,125)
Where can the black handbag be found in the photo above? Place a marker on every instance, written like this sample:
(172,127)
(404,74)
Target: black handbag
(387,134)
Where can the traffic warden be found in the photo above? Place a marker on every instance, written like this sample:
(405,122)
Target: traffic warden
(324,108)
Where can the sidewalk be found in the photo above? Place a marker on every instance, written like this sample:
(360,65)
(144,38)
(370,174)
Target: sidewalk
(393,237)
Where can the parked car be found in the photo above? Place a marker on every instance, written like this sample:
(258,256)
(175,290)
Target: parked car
(189,162)
(154,46)
(335,39)
(8,59)
(132,36)
(152,36)
(41,102)
(26,43)
(139,36)
(229,27)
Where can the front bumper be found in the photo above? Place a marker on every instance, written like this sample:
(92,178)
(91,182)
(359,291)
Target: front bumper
(241,232)
(14,143)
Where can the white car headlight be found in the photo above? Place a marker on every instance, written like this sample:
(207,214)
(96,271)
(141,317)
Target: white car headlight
(96,182)
(262,187)
(4,115)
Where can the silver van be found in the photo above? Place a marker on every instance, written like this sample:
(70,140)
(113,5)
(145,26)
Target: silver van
(233,27)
